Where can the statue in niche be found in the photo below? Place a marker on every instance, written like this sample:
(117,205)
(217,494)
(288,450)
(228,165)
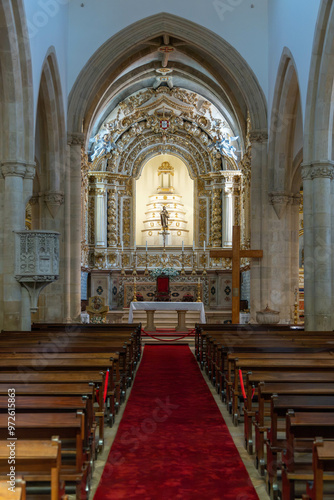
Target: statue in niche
(102,145)
(164,216)
(224,146)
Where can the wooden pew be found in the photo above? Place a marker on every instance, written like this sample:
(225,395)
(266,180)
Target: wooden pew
(323,469)
(18,494)
(287,381)
(124,364)
(265,392)
(280,404)
(279,365)
(47,454)
(301,430)
(70,429)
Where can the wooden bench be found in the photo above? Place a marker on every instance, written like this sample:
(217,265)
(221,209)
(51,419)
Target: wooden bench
(19,493)
(35,460)
(265,393)
(70,429)
(280,404)
(301,430)
(287,381)
(124,363)
(279,365)
(323,469)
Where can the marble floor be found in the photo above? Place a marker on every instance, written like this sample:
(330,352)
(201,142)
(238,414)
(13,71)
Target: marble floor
(236,433)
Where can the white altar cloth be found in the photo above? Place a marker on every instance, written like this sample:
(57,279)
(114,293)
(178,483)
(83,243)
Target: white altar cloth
(167,306)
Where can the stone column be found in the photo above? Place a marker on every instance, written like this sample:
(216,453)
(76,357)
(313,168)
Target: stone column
(228,214)
(74,224)
(28,182)
(317,181)
(259,207)
(100,213)
(14,216)
(27,193)
(282,246)
(308,247)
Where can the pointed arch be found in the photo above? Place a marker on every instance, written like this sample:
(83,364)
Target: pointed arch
(50,126)
(16,86)
(109,60)
(286,122)
(320,109)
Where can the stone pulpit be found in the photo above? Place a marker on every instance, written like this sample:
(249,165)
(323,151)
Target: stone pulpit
(36,261)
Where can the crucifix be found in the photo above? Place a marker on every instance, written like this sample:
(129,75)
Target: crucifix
(235,253)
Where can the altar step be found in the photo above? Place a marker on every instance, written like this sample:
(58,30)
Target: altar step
(164,319)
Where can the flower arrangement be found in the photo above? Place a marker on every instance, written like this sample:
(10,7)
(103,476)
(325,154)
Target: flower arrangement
(167,271)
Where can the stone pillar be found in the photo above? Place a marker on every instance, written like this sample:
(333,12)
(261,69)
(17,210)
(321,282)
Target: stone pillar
(228,211)
(259,207)
(282,250)
(27,192)
(100,214)
(74,224)
(317,181)
(14,215)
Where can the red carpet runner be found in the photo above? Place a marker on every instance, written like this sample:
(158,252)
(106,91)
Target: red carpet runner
(172,442)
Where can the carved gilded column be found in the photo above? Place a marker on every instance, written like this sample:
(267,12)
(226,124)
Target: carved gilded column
(203,212)
(216,220)
(112,216)
(126,215)
(245,166)
(84,208)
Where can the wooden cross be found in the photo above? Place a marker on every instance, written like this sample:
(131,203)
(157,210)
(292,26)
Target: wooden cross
(235,253)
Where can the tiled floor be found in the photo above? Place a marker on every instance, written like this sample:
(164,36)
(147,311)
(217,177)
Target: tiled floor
(236,432)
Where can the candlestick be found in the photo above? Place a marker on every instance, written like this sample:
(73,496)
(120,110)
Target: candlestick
(146,245)
(182,263)
(134,290)
(194,263)
(204,245)
(146,270)
(198,291)
(193,246)
(182,246)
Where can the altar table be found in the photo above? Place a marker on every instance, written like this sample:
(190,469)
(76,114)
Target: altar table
(180,307)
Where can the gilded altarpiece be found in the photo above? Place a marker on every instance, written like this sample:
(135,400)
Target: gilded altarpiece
(221,195)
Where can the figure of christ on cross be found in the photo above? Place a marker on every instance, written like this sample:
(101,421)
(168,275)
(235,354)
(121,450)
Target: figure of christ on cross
(236,254)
